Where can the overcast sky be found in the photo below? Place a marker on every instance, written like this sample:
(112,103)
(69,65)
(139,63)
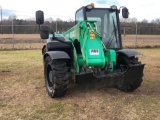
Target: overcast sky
(65,9)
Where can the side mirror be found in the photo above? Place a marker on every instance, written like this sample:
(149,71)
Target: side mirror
(44,32)
(125,12)
(39,17)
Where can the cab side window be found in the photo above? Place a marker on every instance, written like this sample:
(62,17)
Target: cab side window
(79,15)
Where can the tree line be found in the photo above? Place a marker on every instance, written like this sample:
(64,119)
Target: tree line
(132,26)
(29,26)
(128,26)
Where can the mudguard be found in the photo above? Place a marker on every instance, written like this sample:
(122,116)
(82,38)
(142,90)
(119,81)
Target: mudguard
(57,55)
(129,52)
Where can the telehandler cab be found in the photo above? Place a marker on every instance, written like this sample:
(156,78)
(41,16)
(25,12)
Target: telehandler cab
(89,51)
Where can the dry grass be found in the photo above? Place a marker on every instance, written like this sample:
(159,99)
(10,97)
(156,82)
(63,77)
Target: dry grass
(22,46)
(23,95)
(20,36)
(142,41)
(21,41)
(33,41)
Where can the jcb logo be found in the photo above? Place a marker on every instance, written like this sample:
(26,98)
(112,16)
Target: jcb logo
(91,34)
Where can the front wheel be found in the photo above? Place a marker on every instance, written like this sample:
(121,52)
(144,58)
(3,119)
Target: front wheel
(56,77)
(132,78)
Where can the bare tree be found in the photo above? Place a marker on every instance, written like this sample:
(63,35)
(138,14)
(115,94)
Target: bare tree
(144,21)
(12,17)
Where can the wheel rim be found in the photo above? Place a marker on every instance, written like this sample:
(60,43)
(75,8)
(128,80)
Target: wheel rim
(50,76)
(49,79)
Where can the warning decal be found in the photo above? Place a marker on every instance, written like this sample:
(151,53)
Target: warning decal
(91,34)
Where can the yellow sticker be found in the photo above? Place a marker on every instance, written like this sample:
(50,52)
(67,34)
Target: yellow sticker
(91,34)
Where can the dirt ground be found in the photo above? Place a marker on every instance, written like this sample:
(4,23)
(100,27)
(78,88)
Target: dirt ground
(23,95)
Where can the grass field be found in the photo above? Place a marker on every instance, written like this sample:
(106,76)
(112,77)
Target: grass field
(23,95)
(33,41)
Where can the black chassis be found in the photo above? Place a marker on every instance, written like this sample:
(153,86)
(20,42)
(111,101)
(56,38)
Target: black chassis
(58,50)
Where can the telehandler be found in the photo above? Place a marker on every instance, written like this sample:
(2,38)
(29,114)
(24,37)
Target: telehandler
(89,51)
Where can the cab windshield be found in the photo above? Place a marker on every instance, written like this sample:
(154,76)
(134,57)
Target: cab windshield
(106,26)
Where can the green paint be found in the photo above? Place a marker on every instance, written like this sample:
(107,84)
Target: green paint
(92,53)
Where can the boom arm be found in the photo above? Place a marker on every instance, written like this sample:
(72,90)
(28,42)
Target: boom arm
(91,46)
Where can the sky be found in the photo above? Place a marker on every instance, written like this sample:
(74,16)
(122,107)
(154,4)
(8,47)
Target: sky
(65,9)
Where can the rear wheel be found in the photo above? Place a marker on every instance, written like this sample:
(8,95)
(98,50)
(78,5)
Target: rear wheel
(132,78)
(56,77)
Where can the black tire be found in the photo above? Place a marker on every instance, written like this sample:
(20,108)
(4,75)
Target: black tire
(126,86)
(129,85)
(56,77)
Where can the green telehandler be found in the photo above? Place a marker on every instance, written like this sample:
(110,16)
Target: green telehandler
(89,51)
